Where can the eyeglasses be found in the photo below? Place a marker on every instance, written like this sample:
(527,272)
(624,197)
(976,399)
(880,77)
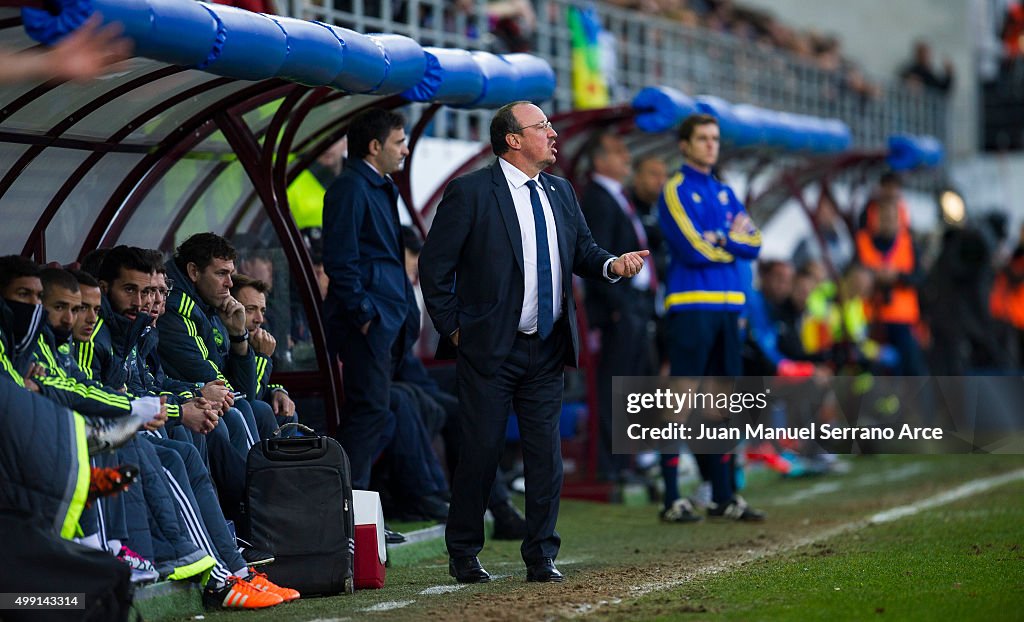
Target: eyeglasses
(163,292)
(544,125)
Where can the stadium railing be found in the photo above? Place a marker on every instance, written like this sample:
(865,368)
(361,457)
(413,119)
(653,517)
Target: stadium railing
(649,50)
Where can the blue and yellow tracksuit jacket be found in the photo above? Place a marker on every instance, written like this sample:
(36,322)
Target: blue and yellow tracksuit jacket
(703,275)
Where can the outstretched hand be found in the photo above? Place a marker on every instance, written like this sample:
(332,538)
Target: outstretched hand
(629,264)
(88,52)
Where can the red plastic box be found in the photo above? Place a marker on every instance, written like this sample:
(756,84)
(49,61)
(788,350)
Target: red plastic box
(370,554)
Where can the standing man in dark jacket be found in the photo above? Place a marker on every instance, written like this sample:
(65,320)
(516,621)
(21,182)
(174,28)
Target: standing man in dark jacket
(496,273)
(620,311)
(369,294)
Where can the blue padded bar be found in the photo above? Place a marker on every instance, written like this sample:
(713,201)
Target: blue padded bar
(500,81)
(732,130)
(405,60)
(932,151)
(536,77)
(315,55)
(755,125)
(451,77)
(365,66)
(253,48)
(181,33)
(47,28)
(908,152)
(661,108)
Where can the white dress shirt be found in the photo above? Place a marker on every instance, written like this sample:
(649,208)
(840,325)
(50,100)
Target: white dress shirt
(524,212)
(642,280)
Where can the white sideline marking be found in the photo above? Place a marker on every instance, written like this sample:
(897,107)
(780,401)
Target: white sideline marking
(442,589)
(966,490)
(868,479)
(389,605)
(963,491)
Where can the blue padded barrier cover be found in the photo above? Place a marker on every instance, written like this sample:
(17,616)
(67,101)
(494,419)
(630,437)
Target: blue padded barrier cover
(777,131)
(315,55)
(47,28)
(171,31)
(426,89)
(754,122)
(732,130)
(452,77)
(500,81)
(931,150)
(406,63)
(908,152)
(840,137)
(817,135)
(903,154)
(365,66)
(254,47)
(798,131)
(661,108)
(536,77)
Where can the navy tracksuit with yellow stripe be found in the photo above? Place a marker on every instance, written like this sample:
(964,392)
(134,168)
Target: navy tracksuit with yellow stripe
(704,295)
(194,347)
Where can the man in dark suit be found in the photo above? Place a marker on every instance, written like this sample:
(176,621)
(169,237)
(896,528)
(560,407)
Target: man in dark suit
(369,295)
(496,273)
(619,311)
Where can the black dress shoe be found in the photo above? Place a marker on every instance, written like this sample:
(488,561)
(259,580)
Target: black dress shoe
(467,570)
(392,537)
(509,524)
(544,571)
(431,506)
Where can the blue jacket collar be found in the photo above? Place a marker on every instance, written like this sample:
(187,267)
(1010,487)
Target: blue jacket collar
(689,171)
(364,169)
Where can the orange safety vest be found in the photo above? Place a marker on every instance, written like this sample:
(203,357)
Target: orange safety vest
(1006,301)
(902,307)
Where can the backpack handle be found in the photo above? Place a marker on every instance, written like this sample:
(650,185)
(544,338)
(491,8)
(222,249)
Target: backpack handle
(288,426)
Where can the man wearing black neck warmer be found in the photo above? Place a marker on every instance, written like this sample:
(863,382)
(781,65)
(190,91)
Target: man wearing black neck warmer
(21,315)
(61,300)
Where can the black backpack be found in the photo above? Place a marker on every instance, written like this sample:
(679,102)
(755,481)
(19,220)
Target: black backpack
(298,506)
(39,561)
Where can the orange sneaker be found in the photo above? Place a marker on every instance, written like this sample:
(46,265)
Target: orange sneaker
(240,594)
(104,481)
(260,581)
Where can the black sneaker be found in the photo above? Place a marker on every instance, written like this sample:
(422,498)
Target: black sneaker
(681,511)
(252,555)
(737,509)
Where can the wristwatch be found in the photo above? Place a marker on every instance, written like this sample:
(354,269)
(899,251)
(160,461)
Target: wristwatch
(239,338)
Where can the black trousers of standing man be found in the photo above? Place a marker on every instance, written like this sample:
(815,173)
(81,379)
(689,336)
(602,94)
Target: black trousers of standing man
(530,383)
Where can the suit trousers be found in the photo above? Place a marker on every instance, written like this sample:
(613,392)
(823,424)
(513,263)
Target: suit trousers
(530,383)
(625,351)
(369,364)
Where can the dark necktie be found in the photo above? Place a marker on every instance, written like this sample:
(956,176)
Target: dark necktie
(545,304)
(641,238)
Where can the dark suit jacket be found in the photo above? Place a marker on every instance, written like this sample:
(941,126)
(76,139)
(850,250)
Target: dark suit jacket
(471,267)
(613,230)
(363,253)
